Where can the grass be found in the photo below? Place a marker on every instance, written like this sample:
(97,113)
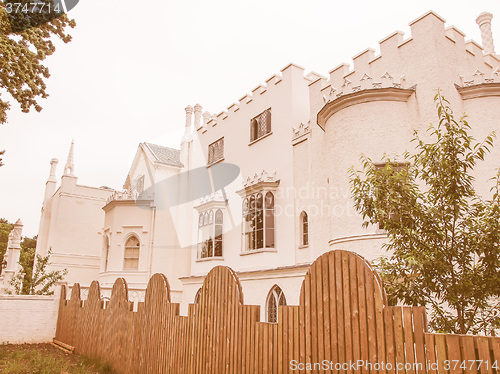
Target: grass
(46,359)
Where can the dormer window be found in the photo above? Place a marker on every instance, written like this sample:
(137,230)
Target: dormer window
(260,125)
(216,151)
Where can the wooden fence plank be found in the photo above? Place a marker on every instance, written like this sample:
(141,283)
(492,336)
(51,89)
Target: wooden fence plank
(454,356)
(408,337)
(418,334)
(483,354)
(390,343)
(441,352)
(399,336)
(430,352)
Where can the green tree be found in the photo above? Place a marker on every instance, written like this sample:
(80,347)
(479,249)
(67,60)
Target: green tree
(444,238)
(36,280)
(26,260)
(22,74)
(25,42)
(5,229)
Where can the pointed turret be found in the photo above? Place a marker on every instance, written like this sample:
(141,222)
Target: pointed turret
(68,180)
(70,167)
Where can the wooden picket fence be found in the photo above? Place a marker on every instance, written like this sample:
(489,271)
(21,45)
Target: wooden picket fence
(342,324)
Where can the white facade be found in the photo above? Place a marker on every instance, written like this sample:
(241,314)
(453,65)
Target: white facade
(70,225)
(295,138)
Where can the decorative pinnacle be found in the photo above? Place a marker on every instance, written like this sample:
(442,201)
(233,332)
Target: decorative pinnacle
(206,118)
(53,166)
(189,115)
(70,167)
(484,22)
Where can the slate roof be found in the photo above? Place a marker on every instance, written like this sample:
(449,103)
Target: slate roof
(165,155)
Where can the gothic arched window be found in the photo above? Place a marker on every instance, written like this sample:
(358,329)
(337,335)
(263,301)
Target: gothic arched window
(210,228)
(131,257)
(275,298)
(260,125)
(258,221)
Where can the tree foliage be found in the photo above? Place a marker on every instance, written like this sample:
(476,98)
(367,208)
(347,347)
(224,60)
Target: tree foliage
(24,45)
(36,280)
(26,260)
(444,238)
(5,229)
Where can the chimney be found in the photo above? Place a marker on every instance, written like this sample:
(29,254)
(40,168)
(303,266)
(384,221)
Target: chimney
(484,22)
(197,116)
(187,130)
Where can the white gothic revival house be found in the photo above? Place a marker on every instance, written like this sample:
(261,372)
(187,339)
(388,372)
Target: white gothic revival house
(263,187)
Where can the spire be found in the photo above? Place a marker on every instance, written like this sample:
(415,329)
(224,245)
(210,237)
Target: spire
(70,167)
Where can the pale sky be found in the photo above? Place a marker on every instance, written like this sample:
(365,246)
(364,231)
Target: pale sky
(133,67)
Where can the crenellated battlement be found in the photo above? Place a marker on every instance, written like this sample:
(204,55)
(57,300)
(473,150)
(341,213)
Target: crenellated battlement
(399,63)
(288,73)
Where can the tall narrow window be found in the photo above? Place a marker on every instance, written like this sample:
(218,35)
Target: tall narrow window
(269,219)
(304,229)
(258,221)
(275,298)
(216,151)
(260,125)
(106,252)
(132,249)
(210,228)
(219,220)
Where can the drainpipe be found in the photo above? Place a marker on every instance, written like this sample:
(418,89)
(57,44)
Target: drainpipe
(151,242)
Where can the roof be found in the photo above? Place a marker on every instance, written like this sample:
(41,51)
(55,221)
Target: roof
(165,155)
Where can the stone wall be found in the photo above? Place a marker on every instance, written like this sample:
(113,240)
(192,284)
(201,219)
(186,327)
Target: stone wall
(28,318)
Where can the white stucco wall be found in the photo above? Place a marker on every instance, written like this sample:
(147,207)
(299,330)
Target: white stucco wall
(28,319)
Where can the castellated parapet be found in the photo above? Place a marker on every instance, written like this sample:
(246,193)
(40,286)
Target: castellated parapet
(287,74)
(400,63)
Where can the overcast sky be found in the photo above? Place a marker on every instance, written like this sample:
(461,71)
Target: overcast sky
(134,66)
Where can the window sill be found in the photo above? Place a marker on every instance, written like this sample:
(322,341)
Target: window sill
(303,246)
(251,252)
(216,162)
(262,137)
(215,258)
